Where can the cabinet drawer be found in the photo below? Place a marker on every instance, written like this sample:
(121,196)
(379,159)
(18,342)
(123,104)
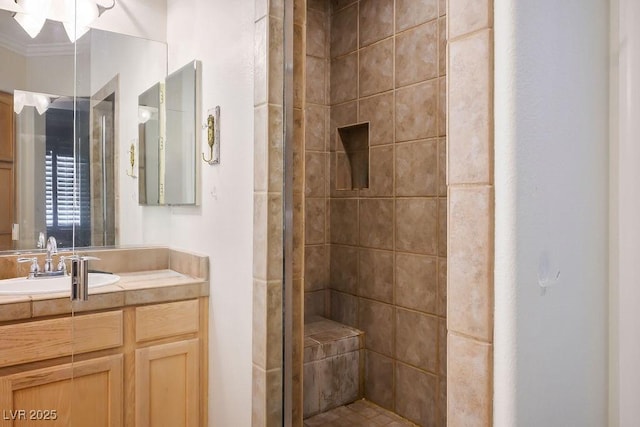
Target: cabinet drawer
(48,339)
(166,320)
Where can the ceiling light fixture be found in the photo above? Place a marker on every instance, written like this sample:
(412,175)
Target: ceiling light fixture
(75,15)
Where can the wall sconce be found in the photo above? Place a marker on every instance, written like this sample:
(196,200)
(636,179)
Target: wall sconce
(40,101)
(75,15)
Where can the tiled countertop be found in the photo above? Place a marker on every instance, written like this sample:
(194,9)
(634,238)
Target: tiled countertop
(133,288)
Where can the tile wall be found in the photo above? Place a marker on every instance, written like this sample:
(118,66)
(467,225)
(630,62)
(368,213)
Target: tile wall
(316,157)
(471,216)
(268,214)
(380,253)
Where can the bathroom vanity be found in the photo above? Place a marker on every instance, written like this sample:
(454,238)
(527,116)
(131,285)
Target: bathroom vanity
(134,354)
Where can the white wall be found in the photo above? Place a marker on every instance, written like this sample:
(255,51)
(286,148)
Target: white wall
(625,211)
(13,69)
(220,34)
(140,18)
(551,174)
(39,72)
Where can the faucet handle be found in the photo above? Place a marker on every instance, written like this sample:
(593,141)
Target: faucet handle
(41,240)
(34,268)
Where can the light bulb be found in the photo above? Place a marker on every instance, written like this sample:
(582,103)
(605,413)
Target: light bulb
(34,15)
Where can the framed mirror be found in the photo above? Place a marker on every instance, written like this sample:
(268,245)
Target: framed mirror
(40,80)
(168,115)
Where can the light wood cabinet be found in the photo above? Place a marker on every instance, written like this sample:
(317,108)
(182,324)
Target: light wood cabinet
(167,385)
(86,393)
(134,366)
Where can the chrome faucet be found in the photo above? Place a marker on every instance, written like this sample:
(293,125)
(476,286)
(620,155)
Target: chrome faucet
(48,271)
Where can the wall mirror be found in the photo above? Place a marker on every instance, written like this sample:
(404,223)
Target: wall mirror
(168,122)
(68,115)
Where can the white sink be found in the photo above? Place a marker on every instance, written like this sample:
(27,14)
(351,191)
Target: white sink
(50,285)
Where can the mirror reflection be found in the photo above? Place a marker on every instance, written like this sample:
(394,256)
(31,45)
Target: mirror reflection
(43,81)
(168,122)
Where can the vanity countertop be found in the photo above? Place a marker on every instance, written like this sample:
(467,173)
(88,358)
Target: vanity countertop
(133,288)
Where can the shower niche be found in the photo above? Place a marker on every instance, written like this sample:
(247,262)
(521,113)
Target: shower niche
(352,157)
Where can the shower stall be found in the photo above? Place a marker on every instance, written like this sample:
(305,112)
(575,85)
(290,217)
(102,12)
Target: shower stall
(370,205)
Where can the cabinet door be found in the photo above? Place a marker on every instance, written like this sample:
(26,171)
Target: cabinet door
(167,385)
(87,393)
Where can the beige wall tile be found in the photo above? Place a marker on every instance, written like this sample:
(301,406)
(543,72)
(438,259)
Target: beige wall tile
(410,13)
(344,221)
(442,7)
(380,172)
(276,164)
(266,407)
(378,111)
(276,61)
(315,174)
(442,401)
(376,20)
(442,347)
(442,227)
(376,320)
(314,304)
(469,379)
(316,271)
(442,106)
(315,126)
(442,46)
(417,54)
(314,225)
(17,311)
(416,226)
(315,80)
(299,65)
(276,8)
(470,112)
(258,398)
(341,115)
(344,269)
(416,111)
(376,68)
(344,31)
(344,308)
(442,167)
(442,287)
(416,339)
(321,5)
(376,223)
(378,381)
(417,168)
(337,5)
(298,152)
(344,78)
(376,275)
(317,23)
(267,242)
(470,260)
(467,16)
(267,324)
(416,395)
(416,282)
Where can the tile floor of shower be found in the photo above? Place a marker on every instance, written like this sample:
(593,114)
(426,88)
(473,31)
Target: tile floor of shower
(361,413)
